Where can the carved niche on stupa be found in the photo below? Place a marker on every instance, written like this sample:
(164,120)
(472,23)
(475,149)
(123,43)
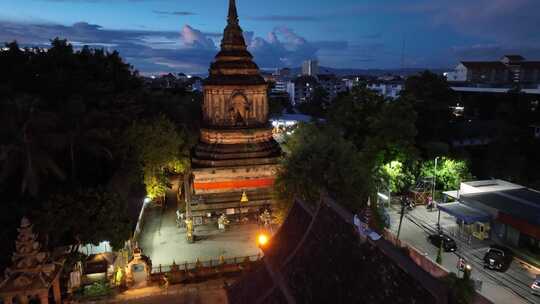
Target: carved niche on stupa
(239,109)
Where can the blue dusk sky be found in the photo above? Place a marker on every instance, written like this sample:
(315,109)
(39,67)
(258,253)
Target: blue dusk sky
(157,36)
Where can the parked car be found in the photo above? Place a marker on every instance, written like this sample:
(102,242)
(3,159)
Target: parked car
(535,286)
(448,244)
(498,258)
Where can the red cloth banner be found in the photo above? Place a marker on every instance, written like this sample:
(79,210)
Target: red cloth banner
(247,183)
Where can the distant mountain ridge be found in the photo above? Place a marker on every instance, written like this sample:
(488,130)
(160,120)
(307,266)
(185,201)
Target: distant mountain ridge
(359,72)
(368,72)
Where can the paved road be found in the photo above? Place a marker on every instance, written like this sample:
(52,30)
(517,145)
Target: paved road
(509,287)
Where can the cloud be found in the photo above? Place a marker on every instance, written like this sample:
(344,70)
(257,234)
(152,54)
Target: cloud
(148,51)
(193,38)
(286,18)
(174,13)
(371,36)
(494,51)
(505,21)
(188,50)
(282,47)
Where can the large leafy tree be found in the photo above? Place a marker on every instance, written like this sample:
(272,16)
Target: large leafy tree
(449,172)
(431,97)
(27,150)
(158,148)
(383,130)
(86,216)
(321,159)
(317,103)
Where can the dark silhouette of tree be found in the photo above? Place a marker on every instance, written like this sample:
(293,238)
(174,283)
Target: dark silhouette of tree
(320,159)
(317,103)
(26,155)
(85,216)
(431,97)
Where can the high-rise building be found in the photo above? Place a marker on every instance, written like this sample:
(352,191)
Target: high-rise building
(310,68)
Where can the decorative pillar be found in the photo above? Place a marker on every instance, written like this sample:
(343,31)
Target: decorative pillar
(56,290)
(44,298)
(23,299)
(8,300)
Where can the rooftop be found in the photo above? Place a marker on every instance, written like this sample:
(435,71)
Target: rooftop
(311,242)
(490,185)
(520,203)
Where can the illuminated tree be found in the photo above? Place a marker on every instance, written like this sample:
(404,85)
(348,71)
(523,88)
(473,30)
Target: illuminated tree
(449,173)
(159,149)
(396,176)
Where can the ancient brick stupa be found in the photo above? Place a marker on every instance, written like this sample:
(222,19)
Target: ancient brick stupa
(33,272)
(236,156)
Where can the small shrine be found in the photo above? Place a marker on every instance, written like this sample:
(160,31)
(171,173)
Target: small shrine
(138,270)
(33,272)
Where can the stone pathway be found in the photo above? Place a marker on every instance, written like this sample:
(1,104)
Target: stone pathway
(164,242)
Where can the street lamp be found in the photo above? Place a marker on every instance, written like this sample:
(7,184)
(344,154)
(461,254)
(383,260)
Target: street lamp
(434,179)
(433,195)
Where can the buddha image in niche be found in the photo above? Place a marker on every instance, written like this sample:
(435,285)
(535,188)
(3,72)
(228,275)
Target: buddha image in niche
(239,110)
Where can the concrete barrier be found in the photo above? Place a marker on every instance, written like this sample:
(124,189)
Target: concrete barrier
(426,263)
(419,258)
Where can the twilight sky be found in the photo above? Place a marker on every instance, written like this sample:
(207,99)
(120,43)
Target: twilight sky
(183,35)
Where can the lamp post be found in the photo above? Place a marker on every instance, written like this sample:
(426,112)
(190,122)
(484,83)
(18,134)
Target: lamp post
(433,194)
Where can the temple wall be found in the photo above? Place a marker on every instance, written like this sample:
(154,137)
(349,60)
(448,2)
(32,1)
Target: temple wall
(217,104)
(210,136)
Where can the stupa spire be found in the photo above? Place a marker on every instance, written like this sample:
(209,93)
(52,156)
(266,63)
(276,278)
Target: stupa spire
(232,36)
(233,13)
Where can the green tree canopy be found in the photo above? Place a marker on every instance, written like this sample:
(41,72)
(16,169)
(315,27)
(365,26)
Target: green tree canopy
(382,130)
(450,172)
(397,176)
(321,160)
(159,148)
(85,216)
(317,103)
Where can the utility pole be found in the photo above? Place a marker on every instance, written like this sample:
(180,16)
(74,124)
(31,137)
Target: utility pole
(433,194)
(401,217)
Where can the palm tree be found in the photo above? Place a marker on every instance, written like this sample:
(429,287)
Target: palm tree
(86,134)
(28,154)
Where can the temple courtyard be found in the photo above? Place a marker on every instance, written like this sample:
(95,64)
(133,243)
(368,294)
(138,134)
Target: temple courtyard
(164,242)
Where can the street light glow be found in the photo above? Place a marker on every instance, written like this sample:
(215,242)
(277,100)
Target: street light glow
(381,195)
(262,239)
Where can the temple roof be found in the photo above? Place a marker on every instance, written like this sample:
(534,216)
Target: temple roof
(234,65)
(32,269)
(316,257)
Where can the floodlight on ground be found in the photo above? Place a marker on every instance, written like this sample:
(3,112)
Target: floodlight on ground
(147,200)
(262,239)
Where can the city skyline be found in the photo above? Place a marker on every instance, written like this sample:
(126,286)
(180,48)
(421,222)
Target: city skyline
(172,36)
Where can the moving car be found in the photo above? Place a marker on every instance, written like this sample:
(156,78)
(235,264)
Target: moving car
(448,244)
(498,258)
(535,286)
